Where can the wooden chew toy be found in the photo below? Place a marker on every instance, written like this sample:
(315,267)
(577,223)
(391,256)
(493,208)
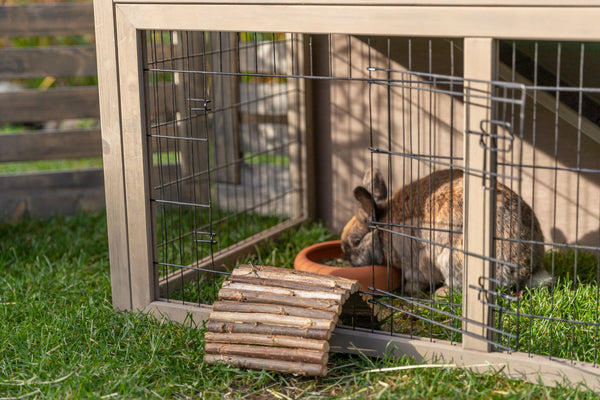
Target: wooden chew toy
(276,318)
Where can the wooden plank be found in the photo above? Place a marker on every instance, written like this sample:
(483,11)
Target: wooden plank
(50,145)
(234,306)
(294,355)
(278,341)
(112,154)
(299,368)
(530,367)
(135,162)
(529,22)
(263,99)
(455,3)
(300,139)
(48,105)
(47,181)
(46,19)
(263,57)
(55,61)
(67,103)
(226,94)
(548,101)
(272,319)
(266,329)
(46,194)
(59,201)
(478,61)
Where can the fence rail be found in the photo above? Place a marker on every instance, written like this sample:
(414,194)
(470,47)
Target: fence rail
(39,111)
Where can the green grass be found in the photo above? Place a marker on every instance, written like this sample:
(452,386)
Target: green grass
(50,165)
(61,338)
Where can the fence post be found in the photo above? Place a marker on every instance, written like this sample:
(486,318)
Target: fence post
(478,203)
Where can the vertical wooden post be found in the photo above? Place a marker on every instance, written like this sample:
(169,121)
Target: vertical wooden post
(193,156)
(135,163)
(296,123)
(225,99)
(320,114)
(478,234)
(112,154)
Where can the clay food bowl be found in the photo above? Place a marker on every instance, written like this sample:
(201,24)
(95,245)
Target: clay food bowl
(311,258)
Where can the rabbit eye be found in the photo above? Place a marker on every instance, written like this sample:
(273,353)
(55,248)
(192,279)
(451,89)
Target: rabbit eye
(356,243)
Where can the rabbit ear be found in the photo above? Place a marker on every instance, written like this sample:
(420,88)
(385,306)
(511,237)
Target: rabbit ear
(373,180)
(367,203)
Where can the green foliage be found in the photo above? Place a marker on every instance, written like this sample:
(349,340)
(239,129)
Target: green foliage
(568,262)
(50,165)
(270,159)
(10,128)
(567,326)
(261,36)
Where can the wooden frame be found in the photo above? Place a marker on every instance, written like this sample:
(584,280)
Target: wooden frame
(479,23)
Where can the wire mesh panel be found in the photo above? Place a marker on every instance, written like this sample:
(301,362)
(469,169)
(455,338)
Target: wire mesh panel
(223,112)
(557,158)
(420,229)
(219,143)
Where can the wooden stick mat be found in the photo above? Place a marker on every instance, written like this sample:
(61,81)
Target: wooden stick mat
(276,318)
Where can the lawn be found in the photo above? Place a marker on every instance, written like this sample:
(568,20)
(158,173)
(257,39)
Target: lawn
(61,338)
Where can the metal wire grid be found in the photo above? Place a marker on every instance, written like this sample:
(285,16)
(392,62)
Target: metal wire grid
(552,142)
(219,148)
(419,93)
(517,164)
(558,160)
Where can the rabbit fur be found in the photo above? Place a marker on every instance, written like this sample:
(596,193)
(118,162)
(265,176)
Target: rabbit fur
(426,218)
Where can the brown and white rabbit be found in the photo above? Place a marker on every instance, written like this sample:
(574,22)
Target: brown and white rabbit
(421,232)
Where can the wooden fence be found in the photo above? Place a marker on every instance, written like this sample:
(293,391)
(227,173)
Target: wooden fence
(43,194)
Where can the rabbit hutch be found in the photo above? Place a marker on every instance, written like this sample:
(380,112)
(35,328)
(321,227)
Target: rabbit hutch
(224,125)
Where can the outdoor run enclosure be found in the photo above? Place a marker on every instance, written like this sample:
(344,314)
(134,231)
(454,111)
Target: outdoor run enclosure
(226,124)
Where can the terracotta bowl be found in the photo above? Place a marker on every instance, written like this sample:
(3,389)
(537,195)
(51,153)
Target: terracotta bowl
(309,260)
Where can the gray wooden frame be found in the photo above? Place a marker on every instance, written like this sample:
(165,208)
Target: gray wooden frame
(479,23)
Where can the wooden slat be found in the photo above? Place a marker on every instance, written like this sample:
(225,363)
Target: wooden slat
(50,145)
(263,57)
(55,61)
(263,98)
(52,104)
(46,194)
(137,179)
(266,329)
(50,193)
(64,103)
(226,93)
(46,19)
(112,147)
(48,181)
(274,365)
(565,23)
(280,341)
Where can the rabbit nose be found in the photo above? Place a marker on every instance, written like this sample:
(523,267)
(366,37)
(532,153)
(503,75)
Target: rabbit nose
(346,249)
